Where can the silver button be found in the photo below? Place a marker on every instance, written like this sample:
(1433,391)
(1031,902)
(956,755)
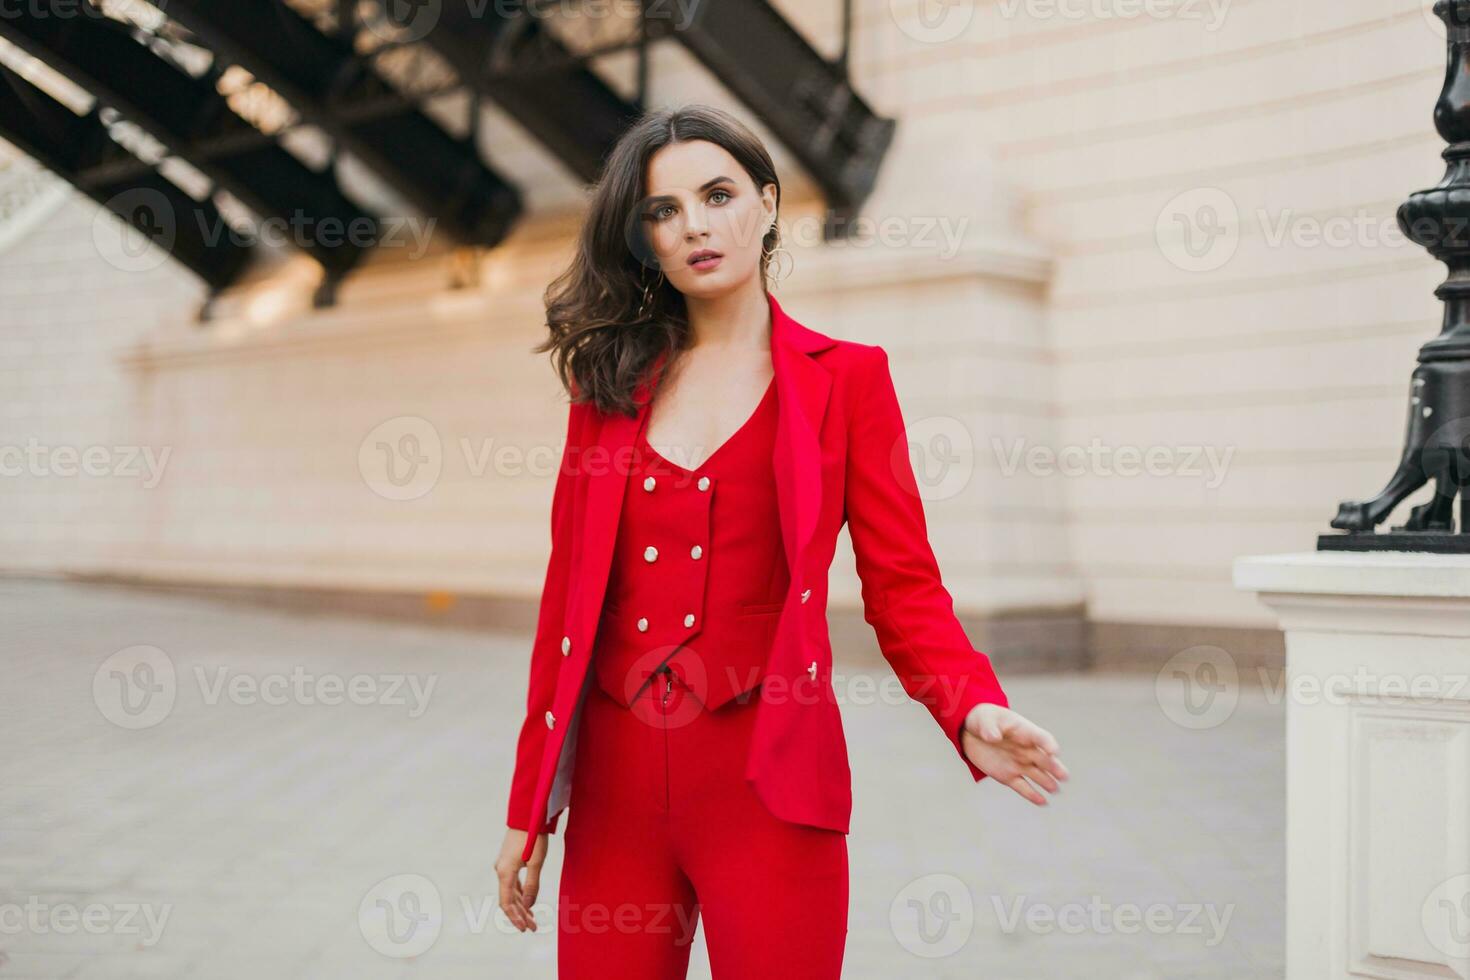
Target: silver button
(806,595)
(704,483)
(812,670)
(649,483)
(643,624)
(550,720)
(695,551)
(650,553)
(566,645)
(689,619)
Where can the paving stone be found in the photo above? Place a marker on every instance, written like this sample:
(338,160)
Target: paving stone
(264,826)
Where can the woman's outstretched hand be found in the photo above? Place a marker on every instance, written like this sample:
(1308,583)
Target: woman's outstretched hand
(1012,750)
(516,899)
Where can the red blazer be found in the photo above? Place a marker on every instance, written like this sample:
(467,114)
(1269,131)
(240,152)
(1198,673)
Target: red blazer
(841,455)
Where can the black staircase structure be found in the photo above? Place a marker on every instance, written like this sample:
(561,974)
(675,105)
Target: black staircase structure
(190,117)
(81,150)
(341,75)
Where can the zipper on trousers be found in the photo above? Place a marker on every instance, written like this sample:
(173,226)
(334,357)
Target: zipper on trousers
(664,718)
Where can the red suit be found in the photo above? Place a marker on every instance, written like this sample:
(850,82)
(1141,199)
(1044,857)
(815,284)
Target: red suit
(838,454)
(694,593)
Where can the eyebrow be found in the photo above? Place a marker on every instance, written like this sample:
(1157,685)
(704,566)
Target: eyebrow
(662,198)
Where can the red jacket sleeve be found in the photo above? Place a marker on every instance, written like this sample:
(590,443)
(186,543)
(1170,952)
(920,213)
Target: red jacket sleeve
(546,647)
(904,600)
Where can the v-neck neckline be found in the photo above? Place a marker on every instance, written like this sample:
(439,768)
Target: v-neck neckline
(643,433)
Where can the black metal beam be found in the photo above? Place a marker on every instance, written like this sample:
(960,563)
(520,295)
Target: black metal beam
(806,101)
(69,145)
(324,80)
(567,107)
(179,110)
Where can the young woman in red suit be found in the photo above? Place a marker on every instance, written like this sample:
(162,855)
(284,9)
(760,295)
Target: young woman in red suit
(680,704)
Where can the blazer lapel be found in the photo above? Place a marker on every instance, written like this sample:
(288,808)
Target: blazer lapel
(802,390)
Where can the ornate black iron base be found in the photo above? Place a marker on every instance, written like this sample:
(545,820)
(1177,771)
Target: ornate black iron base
(1437,436)
(1438,542)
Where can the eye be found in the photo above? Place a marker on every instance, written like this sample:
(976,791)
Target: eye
(659,212)
(725,194)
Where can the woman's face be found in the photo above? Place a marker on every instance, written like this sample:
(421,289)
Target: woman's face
(701,200)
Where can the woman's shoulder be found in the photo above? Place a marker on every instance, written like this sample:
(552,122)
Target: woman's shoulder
(854,358)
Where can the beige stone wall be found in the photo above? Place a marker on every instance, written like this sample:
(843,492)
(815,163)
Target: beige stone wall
(1284,346)
(1028,291)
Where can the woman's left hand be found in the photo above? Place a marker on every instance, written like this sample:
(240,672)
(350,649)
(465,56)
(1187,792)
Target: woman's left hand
(1007,747)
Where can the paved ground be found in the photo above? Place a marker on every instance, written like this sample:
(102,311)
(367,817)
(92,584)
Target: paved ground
(174,803)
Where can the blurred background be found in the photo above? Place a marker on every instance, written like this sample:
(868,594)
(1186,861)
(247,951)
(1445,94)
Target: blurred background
(277,457)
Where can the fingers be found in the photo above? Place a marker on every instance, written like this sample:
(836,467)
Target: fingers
(1043,743)
(1021,786)
(532,886)
(1027,732)
(1046,761)
(512,901)
(1042,778)
(1044,739)
(509,900)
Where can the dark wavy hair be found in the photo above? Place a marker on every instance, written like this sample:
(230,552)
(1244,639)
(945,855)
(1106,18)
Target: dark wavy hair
(603,337)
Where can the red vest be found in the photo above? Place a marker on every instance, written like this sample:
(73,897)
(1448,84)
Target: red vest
(698,574)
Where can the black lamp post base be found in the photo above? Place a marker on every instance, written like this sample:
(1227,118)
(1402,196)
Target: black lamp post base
(1437,434)
(1439,542)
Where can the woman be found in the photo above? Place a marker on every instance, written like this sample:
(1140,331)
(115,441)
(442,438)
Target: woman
(680,690)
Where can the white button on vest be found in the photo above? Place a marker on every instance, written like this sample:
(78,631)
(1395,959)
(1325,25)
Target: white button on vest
(704,483)
(806,595)
(812,670)
(550,720)
(649,483)
(643,624)
(689,619)
(650,553)
(695,551)
(566,645)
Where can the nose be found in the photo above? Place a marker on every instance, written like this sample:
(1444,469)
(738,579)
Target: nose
(695,225)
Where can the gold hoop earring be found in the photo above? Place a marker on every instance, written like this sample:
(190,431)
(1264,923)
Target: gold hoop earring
(770,256)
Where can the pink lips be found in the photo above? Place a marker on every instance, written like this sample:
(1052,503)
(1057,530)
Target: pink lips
(705,259)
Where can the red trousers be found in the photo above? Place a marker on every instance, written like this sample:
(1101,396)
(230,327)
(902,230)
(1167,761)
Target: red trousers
(663,831)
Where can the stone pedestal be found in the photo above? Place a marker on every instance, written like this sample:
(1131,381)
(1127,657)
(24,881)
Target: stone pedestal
(1378,760)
